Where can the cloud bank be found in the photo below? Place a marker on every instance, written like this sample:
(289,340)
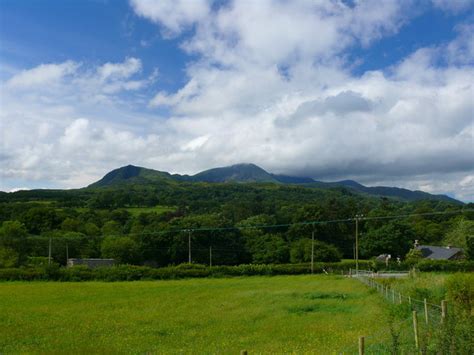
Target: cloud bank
(269,82)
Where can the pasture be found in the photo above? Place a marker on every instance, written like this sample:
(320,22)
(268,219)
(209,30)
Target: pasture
(317,314)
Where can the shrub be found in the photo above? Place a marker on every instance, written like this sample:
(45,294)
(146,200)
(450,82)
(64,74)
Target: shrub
(77,273)
(8,257)
(414,256)
(22,274)
(460,290)
(445,265)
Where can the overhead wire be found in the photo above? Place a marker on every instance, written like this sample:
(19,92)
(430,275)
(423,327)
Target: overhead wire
(302,223)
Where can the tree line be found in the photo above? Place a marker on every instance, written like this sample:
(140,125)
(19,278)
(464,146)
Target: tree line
(108,223)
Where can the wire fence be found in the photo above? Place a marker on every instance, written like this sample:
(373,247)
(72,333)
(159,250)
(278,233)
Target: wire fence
(414,326)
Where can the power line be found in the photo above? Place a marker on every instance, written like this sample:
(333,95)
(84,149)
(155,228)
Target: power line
(286,225)
(303,223)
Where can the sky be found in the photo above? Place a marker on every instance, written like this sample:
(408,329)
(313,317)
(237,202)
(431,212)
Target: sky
(379,91)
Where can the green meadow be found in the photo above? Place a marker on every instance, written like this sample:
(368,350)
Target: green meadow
(316,314)
(135,211)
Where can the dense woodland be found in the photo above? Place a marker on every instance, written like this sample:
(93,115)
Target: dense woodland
(243,223)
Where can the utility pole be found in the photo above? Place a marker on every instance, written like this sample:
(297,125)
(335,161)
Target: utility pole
(189,246)
(357,218)
(312,251)
(49,252)
(210,256)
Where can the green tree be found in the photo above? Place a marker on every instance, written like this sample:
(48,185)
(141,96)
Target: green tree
(13,239)
(112,228)
(459,233)
(41,219)
(470,247)
(8,257)
(269,249)
(393,238)
(70,225)
(123,249)
(301,251)
(413,256)
(91,229)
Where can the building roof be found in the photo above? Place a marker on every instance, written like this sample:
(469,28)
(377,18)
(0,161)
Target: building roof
(382,257)
(438,253)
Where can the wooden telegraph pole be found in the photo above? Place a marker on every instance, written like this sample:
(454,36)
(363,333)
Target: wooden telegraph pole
(49,252)
(357,218)
(189,246)
(312,251)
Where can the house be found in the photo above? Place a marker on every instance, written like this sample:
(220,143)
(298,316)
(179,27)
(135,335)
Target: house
(440,253)
(383,257)
(91,263)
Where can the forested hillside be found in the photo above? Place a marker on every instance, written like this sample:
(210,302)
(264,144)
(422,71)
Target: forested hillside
(243,223)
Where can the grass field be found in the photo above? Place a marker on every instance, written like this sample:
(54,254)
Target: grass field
(135,211)
(157,209)
(317,314)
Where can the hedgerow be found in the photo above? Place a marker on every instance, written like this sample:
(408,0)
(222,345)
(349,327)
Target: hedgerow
(133,272)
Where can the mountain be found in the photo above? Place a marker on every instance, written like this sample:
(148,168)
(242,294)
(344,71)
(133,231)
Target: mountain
(395,192)
(251,173)
(132,174)
(236,173)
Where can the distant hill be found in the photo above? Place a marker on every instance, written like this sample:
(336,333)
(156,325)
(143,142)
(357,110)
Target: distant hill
(132,174)
(395,192)
(251,173)
(235,173)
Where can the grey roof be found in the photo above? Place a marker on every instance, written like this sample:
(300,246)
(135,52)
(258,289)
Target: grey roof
(438,253)
(381,257)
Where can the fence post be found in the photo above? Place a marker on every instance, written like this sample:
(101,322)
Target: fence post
(415,329)
(426,310)
(393,295)
(361,346)
(243,352)
(399,298)
(444,310)
(350,272)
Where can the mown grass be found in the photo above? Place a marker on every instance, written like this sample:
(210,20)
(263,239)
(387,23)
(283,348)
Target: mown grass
(316,314)
(135,211)
(156,209)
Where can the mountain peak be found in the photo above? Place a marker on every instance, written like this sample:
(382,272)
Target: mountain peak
(243,172)
(247,173)
(130,173)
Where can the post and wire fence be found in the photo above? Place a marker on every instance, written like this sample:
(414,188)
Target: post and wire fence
(417,326)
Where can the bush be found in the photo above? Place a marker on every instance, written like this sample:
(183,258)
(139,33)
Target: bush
(460,290)
(8,257)
(133,272)
(445,265)
(36,261)
(22,274)
(414,256)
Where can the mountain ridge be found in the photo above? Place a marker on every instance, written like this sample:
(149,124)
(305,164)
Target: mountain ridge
(251,173)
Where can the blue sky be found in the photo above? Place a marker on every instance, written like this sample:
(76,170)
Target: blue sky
(35,32)
(190,85)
